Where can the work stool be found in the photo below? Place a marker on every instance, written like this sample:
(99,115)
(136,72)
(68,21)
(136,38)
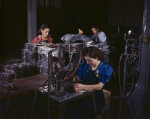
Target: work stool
(105,110)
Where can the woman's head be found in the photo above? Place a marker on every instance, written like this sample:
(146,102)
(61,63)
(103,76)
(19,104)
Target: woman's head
(92,54)
(44,30)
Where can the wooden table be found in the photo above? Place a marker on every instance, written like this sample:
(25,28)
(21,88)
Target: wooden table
(32,84)
(23,86)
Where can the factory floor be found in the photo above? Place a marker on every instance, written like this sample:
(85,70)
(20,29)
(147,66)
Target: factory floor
(20,108)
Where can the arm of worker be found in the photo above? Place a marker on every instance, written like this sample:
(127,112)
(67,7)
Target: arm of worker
(102,37)
(79,87)
(36,40)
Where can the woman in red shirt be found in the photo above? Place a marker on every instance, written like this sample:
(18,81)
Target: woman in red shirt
(43,35)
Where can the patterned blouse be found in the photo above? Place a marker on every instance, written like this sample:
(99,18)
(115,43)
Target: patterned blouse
(38,39)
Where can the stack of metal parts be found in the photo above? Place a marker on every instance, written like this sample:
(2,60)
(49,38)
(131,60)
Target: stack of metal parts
(105,51)
(17,70)
(34,60)
(37,55)
(29,53)
(71,38)
(42,59)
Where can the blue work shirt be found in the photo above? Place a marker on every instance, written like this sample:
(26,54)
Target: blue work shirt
(102,73)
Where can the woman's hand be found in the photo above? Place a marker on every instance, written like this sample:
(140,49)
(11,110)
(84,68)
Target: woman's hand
(78,86)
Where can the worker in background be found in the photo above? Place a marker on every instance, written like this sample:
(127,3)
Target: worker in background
(43,35)
(98,36)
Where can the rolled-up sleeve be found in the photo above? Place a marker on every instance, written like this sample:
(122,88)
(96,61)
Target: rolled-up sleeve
(102,37)
(109,71)
(105,74)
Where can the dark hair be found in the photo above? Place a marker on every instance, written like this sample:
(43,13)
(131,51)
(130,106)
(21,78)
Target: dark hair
(92,52)
(44,26)
(96,27)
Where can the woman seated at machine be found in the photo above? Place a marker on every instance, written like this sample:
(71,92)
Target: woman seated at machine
(94,74)
(43,35)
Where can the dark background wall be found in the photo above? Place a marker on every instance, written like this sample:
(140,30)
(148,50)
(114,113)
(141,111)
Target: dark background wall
(125,12)
(13,24)
(108,14)
(73,15)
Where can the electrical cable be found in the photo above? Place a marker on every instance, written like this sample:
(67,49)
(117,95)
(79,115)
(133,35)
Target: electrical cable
(120,83)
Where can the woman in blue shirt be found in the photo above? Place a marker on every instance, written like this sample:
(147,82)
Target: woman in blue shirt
(94,74)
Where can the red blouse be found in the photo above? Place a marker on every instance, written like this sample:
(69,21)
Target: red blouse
(38,39)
